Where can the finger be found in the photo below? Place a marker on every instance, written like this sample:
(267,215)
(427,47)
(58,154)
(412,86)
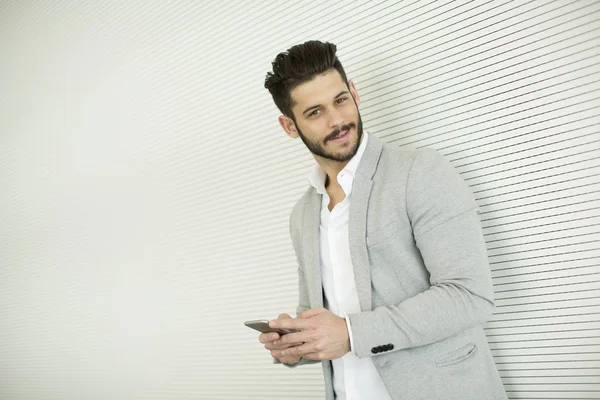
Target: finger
(293,323)
(276,353)
(268,337)
(295,338)
(279,346)
(314,356)
(291,352)
(289,360)
(285,359)
(313,312)
(299,351)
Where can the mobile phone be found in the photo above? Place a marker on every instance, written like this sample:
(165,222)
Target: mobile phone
(262,325)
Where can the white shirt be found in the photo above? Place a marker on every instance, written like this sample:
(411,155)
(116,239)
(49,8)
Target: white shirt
(353,378)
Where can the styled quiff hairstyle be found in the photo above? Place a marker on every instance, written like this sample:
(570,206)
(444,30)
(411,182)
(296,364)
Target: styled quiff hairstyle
(301,63)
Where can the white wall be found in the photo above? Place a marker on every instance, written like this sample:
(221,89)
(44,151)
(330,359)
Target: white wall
(145,183)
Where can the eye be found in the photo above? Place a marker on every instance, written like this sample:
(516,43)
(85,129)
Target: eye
(342,99)
(313,113)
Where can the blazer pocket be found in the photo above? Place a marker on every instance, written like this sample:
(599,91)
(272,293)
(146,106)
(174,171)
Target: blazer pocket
(382,234)
(457,355)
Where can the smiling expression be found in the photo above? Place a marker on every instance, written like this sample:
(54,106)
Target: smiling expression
(326,117)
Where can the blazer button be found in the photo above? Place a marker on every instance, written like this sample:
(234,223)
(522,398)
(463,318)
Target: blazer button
(391,346)
(374,350)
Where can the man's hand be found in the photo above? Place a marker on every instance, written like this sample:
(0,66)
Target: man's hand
(272,342)
(325,335)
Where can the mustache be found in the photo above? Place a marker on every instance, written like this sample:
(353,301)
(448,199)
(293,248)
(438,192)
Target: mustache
(337,132)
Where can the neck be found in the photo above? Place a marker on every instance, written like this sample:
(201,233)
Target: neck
(331,168)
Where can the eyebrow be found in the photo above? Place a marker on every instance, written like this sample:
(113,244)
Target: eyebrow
(319,105)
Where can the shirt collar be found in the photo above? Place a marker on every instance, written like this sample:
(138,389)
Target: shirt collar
(317,175)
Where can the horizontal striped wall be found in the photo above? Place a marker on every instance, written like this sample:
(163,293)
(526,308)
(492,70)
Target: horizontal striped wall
(146,184)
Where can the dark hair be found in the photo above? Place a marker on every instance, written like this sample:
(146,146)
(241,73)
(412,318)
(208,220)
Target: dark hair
(301,63)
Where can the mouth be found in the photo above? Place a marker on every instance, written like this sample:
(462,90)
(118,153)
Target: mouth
(341,137)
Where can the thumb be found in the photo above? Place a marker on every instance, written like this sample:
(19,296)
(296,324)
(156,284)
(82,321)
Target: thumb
(284,316)
(313,312)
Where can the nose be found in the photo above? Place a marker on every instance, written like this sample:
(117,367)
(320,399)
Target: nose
(336,119)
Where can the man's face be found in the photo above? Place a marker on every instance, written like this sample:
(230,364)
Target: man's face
(327,117)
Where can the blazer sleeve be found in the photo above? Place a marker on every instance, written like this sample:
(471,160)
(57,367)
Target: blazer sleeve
(447,231)
(303,299)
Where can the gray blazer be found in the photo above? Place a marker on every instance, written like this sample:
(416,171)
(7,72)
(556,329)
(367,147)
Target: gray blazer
(422,274)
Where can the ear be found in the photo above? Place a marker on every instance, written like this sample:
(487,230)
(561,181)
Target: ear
(354,92)
(288,126)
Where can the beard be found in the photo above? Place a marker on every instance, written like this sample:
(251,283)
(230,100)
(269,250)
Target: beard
(318,148)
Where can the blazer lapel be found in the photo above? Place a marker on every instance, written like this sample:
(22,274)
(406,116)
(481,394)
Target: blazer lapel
(357,224)
(310,246)
(357,227)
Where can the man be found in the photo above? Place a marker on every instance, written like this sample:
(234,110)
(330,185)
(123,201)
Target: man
(394,280)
